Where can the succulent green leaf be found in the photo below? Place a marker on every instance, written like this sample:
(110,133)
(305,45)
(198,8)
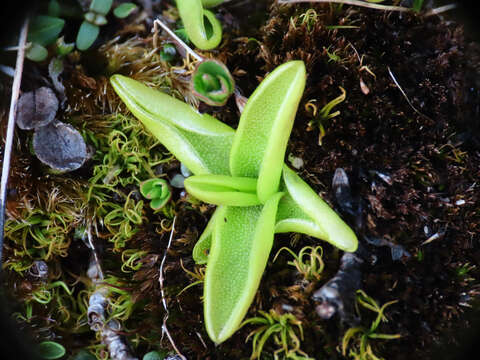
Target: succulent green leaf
(36,52)
(302,210)
(101,6)
(44,29)
(124,10)
(204,243)
(223,189)
(212,82)
(202,27)
(50,350)
(241,243)
(258,149)
(87,34)
(198,140)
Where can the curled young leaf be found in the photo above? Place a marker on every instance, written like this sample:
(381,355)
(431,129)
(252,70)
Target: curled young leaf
(212,82)
(156,190)
(223,190)
(202,27)
(258,149)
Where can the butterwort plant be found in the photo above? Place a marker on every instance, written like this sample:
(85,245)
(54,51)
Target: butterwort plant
(243,172)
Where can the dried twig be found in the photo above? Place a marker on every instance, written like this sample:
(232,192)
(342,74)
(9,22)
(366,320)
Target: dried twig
(440,9)
(97,310)
(17,79)
(351,2)
(162,291)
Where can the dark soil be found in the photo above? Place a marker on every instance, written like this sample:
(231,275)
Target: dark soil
(411,151)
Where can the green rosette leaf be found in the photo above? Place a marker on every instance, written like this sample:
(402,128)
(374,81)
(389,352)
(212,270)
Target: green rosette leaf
(258,149)
(212,83)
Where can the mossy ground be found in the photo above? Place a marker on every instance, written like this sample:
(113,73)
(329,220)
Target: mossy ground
(430,155)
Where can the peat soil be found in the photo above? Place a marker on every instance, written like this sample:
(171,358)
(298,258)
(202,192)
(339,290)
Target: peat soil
(407,136)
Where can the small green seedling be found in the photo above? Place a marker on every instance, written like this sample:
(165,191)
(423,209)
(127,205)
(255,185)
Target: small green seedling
(212,82)
(308,262)
(326,113)
(201,25)
(44,30)
(285,330)
(243,172)
(96,17)
(359,337)
(156,190)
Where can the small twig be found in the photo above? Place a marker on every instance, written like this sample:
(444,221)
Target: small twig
(175,38)
(350,2)
(164,301)
(17,79)
(441,9)
(94,252)
(97,314)
(405,95)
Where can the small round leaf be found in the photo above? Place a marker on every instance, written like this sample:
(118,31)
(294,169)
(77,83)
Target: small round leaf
(50,350)
(101,6)
(87,35)
(124,10)
(36,53)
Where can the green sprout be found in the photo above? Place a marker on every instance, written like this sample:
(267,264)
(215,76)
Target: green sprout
(312,267)
(361,349)
(96,17)
(44,31)
(325,114)
(201,25)
(156,190)
(286,330)
(243,172)
(212,82)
